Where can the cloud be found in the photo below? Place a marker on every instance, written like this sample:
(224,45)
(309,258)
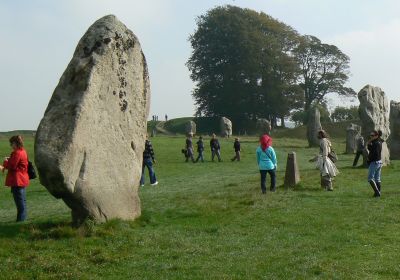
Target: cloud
(374,55)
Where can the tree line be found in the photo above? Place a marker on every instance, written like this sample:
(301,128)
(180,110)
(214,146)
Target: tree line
(247,65)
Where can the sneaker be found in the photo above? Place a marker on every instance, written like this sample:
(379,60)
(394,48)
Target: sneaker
(155,184)
(142,185)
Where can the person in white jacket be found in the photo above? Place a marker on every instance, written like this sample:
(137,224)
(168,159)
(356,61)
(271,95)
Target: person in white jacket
(324,163)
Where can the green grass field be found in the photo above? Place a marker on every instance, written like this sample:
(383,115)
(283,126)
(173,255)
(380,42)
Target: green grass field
(210,221)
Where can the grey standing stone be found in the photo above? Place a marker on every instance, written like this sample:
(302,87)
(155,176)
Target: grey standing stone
(89,144)
(226,127)
(394,138)
(353,131)
(374,115)
(190,128)
(263,126)
(313,126)
(292,174)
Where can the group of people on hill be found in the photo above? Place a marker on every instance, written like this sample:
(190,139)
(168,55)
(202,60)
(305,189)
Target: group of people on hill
(17,164)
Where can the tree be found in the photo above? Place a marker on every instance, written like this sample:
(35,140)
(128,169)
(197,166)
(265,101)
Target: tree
(324,69)
(242,65)
(345,114)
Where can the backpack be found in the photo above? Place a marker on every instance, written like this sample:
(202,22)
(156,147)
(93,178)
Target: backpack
(31,171)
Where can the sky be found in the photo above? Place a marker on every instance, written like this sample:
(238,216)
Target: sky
(38,38)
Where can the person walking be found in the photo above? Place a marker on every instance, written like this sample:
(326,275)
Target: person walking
(17,175)
(200,149)
(166,117)
(189,147)
(236,147)
(215,148)
(267,162)
(360,149)
(327,168)
(374,146)
(148,161)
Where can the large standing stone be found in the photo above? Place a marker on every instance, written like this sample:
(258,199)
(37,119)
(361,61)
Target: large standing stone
(352,133)
(292,174)
(90,142)
(226,127)
(394,139)
(374,115)
(190,128)
(263,126)
(313,126)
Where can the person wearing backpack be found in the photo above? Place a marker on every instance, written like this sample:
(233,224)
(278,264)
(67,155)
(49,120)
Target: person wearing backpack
(17,175)
(148,161)
(267,162)
(189,148)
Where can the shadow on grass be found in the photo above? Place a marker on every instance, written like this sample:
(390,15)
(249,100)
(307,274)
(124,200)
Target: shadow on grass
(42,230)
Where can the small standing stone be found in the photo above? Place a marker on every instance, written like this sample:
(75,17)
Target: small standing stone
(292,175)
(313,126)
(394,139)
(190,128)
(263,126)
(353,132)
(226,127)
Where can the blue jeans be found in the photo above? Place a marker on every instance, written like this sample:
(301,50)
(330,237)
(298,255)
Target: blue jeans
(374,171)
(19,195)
(200,157)
(272,174)
(215,153)
(147,162)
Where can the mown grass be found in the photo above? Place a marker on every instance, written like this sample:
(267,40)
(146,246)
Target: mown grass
(210,221)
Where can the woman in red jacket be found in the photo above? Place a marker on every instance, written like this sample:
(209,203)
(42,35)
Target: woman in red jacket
(17,175)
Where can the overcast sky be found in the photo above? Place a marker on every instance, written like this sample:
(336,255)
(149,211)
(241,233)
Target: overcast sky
(38,37)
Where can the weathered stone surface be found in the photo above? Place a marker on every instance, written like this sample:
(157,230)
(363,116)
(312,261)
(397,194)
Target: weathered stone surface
(292,174)
(226,127)
(374,115)
(313,126)
(89,144)
(394,138)
(190,128)
(353,131)
(263,126)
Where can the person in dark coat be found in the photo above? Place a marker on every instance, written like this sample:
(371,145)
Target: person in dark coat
(148,161)
(236,147)
(360,149)
(374,146)
(17,175)
(200,149)
(215,148)
(189,148)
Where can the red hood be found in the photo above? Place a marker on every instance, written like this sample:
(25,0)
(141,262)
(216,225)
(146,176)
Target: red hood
(265,141)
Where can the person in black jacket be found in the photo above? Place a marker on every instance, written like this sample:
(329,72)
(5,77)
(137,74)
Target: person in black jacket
(360,149)
(374,146)
(148,160)
(215,148)
(236,146)
(189,148)
(200,149)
